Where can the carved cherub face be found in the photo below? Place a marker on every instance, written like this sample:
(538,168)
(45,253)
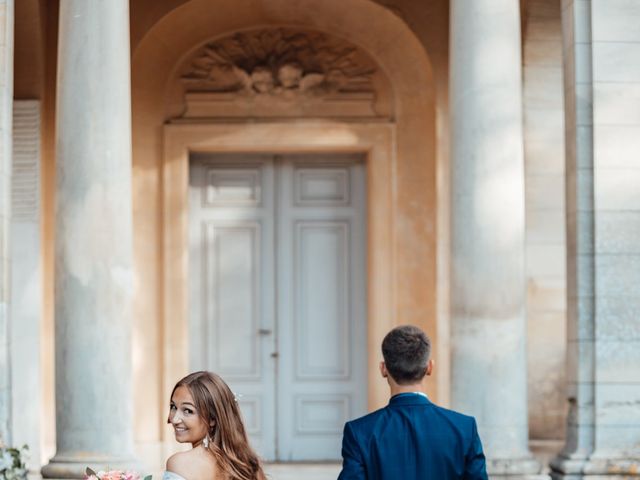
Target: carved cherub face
(289,75)
(262,80)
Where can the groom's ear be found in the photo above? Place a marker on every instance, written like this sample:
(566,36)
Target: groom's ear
(383,370)
(430,366)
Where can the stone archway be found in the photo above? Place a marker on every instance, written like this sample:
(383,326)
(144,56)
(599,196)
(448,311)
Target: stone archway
(406,293)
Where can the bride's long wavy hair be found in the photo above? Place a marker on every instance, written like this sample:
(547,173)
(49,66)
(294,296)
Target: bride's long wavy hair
(228,442)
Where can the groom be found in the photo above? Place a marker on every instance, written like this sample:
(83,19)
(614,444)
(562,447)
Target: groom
(411,438)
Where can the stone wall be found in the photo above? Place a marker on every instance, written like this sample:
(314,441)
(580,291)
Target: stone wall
(601,44)
(615,86)
(545,218)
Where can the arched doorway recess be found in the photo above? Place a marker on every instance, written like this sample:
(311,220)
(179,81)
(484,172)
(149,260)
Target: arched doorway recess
(401,237)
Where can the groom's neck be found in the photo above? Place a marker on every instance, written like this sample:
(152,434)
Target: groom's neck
(395,388)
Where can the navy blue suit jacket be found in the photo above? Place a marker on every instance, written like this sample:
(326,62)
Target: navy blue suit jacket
(412,439)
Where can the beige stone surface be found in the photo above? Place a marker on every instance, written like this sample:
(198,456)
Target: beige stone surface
(547,293)
(616,319)
(546,226)
(616,20)
(545,218)
(618,232)
(545,192)
(545,260)
(617,146)
(617,188)
(540,159)
(612,60)
(616,103)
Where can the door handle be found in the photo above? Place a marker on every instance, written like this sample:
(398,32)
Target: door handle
(264,331)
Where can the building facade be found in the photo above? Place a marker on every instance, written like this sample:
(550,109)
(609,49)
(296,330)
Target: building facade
(264,188)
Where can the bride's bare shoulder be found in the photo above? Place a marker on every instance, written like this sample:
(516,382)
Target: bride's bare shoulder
(178,462)
(192,465)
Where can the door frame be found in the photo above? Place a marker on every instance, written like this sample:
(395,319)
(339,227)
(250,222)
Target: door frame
(375,140)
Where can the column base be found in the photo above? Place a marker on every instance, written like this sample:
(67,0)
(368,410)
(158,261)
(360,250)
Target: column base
(74,466)
(574,467)
(514,468)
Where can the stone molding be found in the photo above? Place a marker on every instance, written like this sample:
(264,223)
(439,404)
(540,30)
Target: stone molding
(377,139)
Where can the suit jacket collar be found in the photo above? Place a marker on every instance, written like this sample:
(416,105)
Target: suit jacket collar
(408,399)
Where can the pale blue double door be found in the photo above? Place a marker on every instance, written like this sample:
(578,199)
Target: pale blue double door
(278,293)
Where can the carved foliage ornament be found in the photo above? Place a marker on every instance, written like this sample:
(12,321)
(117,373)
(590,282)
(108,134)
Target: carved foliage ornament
(282,62)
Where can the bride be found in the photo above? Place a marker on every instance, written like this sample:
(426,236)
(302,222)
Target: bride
(204,412)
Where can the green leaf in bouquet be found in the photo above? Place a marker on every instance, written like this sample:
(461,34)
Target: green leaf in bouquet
(90,473)
(148,477)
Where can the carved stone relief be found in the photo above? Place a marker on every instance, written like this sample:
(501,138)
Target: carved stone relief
(279,71)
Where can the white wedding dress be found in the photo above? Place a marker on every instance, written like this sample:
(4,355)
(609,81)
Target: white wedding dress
(167,475)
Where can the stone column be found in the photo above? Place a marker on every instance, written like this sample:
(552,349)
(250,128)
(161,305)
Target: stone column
(93,252)
(6,115)
(602,121)
(488,325)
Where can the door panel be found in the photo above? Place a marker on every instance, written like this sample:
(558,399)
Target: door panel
(320,297)
(321,303)
(232,283)
(277,263)
(233,306)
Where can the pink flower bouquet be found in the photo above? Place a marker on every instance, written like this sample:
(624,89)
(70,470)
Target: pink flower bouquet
(113,475)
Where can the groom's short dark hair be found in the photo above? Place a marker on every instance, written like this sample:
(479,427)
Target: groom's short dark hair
(406,350)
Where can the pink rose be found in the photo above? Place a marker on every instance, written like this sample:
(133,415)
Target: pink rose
(131,476)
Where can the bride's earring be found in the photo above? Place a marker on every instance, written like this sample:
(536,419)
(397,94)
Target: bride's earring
(205,441)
